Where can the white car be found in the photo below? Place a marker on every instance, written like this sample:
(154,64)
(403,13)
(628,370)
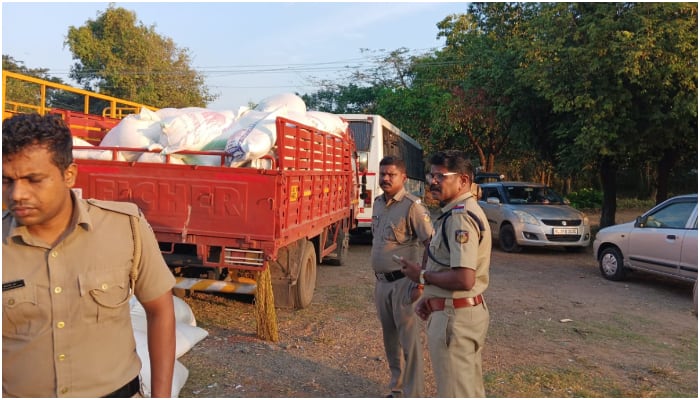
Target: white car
(662,241)
(531,214)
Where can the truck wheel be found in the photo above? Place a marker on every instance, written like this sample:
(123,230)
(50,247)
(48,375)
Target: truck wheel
(306,283)
(341,251)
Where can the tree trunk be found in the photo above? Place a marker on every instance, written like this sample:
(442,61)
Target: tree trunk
(608,179)
(663,171)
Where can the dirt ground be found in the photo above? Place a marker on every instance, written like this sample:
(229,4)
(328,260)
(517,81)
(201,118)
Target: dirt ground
(558,329)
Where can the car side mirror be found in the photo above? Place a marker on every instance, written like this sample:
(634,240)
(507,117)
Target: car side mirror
(639,222)
(493,200)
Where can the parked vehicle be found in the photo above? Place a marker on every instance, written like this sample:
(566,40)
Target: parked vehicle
(531,214)
(486,177)
(662,241)
(375,138)
(218,225)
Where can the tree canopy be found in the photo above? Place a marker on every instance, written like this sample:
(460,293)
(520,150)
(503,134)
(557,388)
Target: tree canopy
(118,56)
(583,92)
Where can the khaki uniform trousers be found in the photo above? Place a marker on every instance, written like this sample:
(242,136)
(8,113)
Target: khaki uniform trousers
(401,332)
(455,340)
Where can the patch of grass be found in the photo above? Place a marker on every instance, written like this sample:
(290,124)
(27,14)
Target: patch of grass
(584,381)
(644,204)
(549,382)
(345,298)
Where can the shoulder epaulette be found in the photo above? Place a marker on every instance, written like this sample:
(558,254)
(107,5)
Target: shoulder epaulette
(121,207)
(413,197)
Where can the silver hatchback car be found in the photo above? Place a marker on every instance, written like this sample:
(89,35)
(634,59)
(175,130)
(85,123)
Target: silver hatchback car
(531,214)
(663,241)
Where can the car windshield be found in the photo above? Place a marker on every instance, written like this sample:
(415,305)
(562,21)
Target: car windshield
(532,195)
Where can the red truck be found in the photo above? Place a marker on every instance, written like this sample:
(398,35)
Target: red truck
(218,225)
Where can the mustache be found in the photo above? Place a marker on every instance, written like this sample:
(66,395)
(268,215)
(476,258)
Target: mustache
(434,187)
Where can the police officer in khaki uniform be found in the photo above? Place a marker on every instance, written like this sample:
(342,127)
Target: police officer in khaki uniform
(69,268)
(401,227)
(455,278)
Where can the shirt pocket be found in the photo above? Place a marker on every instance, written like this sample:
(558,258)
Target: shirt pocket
(104,294)
(399,232)
(21,314)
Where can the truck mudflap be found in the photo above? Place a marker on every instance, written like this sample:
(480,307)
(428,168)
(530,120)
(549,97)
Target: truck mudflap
(241,285)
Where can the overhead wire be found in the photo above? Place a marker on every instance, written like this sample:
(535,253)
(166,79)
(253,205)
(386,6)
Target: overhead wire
(216,72)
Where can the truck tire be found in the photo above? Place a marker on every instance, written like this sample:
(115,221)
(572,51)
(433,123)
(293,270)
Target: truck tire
(341,252)
(306,283)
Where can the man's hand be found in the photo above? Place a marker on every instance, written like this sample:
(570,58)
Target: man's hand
(411,270)
(423,309)
(416,293)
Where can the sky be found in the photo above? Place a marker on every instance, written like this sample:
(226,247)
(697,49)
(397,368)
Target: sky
(246,51)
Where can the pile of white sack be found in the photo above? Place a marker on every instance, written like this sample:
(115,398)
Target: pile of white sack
(187,334)
(245,134)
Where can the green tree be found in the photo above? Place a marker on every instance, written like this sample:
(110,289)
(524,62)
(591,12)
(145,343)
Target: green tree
(120,57)
(343,99)
(20,92)
(623,75)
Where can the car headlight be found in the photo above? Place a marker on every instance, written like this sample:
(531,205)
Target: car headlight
(526,218)
(585,220)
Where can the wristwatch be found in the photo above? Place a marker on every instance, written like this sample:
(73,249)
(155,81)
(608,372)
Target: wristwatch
(421,277)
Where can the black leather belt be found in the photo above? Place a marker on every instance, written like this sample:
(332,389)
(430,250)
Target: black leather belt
(390,276)
(128,390)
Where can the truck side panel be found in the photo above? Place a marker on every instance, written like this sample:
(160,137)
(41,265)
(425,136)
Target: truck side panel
(224,211)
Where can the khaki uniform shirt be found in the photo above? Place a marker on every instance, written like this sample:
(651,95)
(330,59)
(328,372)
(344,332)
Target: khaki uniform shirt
(396,224)
(57,341)
(465,249)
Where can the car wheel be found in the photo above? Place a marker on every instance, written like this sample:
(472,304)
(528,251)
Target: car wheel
(695,297)
(506,239)
(611,264)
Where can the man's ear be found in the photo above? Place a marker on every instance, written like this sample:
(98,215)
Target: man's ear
(70,175)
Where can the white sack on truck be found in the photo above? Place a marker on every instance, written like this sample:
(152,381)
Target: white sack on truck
(328,122)
(158,157)
(253,135)
(289,101)
(165,113)
(194,130)
(132,131)
(87,154)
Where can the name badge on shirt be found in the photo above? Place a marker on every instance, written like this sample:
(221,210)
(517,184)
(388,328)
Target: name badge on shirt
(12,285)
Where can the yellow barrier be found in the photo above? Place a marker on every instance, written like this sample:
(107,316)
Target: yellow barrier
(118,108)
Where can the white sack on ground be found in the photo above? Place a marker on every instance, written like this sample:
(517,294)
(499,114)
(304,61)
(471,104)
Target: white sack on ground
(180,375)
(132,131)
(194,130)
(291,102)
(183,312)
(187,334)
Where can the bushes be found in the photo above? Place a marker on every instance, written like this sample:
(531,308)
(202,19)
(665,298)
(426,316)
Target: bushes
(586,199)
(589,199)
